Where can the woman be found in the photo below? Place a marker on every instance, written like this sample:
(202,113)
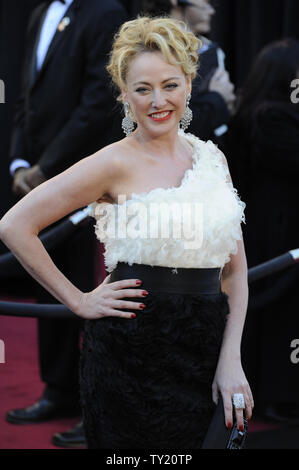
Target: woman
(264,160)
(151,374)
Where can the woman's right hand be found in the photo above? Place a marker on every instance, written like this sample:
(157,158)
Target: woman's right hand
(106,300)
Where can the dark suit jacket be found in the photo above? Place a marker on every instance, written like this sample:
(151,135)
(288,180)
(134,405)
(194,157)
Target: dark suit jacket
(67,110)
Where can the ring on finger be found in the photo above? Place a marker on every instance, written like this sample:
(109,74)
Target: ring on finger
(238,401)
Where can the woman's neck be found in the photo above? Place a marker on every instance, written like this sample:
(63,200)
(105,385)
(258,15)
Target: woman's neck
(168,144)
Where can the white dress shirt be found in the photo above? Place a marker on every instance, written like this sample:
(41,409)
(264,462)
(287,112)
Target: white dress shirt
(54,15)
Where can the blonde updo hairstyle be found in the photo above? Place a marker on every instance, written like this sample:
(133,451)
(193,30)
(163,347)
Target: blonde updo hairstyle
(145,34)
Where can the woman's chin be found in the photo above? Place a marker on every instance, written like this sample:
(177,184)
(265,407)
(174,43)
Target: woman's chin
(159,130)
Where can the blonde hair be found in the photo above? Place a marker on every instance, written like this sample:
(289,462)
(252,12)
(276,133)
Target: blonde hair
(145,34)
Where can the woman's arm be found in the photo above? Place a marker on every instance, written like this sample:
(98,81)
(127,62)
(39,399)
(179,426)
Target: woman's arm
(234,283)
(229,377)
(19,228)
(83,183)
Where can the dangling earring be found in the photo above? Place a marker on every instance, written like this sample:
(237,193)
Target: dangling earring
(127,122)
(187,116)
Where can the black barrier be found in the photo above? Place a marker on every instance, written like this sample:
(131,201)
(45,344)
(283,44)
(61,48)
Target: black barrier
(278,287)
(19,309)
(272,266)
(275,289)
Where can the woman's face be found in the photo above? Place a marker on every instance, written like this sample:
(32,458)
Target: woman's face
(199,16)
(156,92)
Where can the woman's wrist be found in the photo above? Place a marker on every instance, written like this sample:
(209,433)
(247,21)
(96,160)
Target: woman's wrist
(76,305)
(232,353)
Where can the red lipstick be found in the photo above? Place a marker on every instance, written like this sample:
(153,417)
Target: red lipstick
(158,119)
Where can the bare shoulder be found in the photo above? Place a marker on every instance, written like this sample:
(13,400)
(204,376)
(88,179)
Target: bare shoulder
(109,157)
(102,170)
(116,158)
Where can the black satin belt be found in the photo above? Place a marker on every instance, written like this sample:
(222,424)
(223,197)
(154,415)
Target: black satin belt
(170,280)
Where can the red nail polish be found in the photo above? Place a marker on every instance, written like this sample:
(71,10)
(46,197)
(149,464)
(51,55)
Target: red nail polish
(133,315)
(138,283)
(144,293)
(142,306)
(229,425)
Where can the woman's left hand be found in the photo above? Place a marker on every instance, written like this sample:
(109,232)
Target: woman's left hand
(230,379)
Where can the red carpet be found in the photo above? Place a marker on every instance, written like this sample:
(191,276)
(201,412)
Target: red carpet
(20,386)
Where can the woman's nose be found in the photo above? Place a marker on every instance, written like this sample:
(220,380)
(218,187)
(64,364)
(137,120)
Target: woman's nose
(158,100)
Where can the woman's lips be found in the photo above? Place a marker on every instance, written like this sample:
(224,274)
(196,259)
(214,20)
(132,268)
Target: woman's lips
(161,116)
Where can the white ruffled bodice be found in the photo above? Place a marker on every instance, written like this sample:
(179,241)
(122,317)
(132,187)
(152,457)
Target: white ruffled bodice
(195,225)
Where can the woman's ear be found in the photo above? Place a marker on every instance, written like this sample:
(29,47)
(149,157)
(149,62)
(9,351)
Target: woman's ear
(188,84)
(124,97)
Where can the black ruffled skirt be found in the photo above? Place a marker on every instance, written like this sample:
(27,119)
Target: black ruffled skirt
(146,383)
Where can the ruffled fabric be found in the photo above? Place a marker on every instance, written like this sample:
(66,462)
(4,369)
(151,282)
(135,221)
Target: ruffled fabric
(126,229)
(147,383)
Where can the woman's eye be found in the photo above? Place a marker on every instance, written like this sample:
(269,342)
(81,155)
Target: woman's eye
(169,86)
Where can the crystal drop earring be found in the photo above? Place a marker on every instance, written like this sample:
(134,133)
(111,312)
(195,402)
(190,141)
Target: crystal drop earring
(127,122)
(187,116)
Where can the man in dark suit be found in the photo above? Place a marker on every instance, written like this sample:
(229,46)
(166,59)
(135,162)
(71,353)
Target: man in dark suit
(66,112)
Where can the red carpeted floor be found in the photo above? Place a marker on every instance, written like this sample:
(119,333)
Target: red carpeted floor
(21,386)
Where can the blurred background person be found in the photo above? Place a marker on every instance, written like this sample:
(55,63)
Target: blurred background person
(213,97)
(263,154)
(66,111)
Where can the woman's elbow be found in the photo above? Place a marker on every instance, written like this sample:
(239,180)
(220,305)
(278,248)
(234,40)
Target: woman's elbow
(11,225)
(5,227)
